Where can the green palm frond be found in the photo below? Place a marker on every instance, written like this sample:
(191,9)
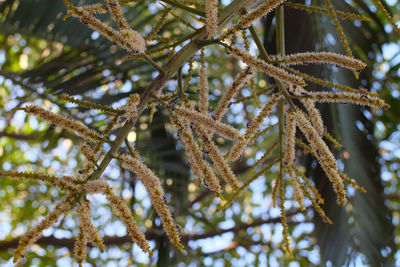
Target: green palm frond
(339,241)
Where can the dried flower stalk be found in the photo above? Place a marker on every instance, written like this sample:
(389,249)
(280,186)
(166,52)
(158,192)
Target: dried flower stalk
(134,42)
(245,185)
(263,159)
(34,233)
(323,155)
(84,212)
(203,85)
(198,165)
(95,8)
(121,210)
(261,11)
(89,105)
(313,112)
(322,57)
(252,128)
(274,192)
(154,189)
(297,190)
(267,68)
(261,133)
(382,8)
(314,203)
(247,19)
(116,12)
(160,22)
(127,38)
(281,190)
(240,80)
(189,74)
(346,97)
(218,159)
(290,139)
(211,8)
(353,183)
(132,104)
(80,244)
(209,123)
(87,150)
(64,122)
(328,84)
(64,183)
(251,81)
(312,188)
(339,28)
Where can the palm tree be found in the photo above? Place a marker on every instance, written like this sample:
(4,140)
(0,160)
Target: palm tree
(67,57)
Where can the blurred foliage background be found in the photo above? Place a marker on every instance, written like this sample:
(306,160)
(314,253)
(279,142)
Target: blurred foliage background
(42,56)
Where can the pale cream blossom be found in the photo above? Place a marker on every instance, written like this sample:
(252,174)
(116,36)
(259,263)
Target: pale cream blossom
(210,123)
(154,189)
(323,155)
(322,57)
(121,210)
(231,90)
(34,233)
(267,68)
(84,212)
(252,128)
(64,122)
(131,108)
(211,8)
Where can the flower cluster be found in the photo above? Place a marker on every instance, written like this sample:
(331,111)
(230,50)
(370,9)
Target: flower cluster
(197,162)
(34,233)
(289,100)
(84,212)
(322,57)
(126,37)
(154,189)
(269,69)
(64,122)
(253,127)
(121,210)
(208,122)
(131,109)
(203,86)
(211,17)
(231,90)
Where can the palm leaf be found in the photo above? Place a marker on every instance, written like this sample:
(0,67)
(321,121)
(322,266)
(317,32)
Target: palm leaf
(80,67)
(338,242)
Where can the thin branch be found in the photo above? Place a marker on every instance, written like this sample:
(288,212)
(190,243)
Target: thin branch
(190,9)
(265,57)
(154,64)
(180,84)
(18,136)
(203,194)
(151,234)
